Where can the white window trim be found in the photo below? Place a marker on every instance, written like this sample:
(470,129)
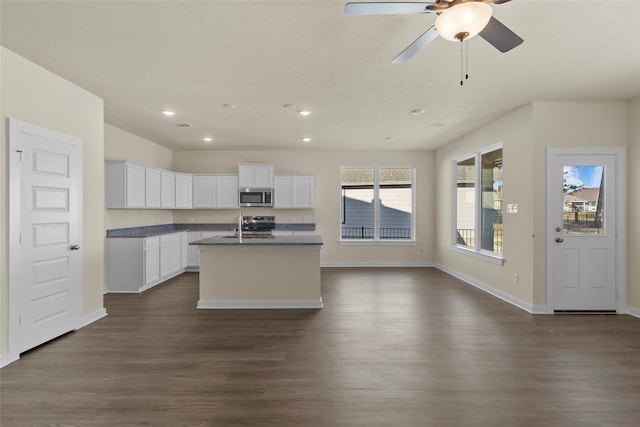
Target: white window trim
(376,241)
(482,254)
(476,251)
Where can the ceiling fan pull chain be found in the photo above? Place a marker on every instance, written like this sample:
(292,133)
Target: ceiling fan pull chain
(466,47)
(461,82)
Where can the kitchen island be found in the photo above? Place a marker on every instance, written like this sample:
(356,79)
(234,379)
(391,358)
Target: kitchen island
(254,273)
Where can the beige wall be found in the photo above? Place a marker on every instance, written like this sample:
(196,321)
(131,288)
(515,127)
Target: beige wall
(123,145)
(325,166)
(526,133)
(34,95)
(633,207)
(514,132)
(568,124)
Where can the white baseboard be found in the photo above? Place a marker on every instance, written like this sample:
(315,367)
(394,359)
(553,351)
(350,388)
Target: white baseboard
(377,264)
(7,359)
(251,305)
(540,309)
(90,318)
(633,311)
(496,293)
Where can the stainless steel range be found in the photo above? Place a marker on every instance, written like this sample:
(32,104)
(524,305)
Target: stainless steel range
(258,226)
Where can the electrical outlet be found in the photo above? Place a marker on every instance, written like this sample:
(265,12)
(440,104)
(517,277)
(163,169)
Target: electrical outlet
(516,278)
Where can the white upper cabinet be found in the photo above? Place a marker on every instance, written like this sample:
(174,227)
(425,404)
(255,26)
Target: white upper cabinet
(152,188)
(134,186)
(184,191)
(167,190)
(255,175)
(203,191)
(125,184)
(215,191)
(293,192)
(227,192)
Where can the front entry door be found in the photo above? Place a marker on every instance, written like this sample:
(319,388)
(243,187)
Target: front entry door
(582,239)
(45,260)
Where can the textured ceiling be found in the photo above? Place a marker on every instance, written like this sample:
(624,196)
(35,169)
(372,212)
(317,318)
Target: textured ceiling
(195,56)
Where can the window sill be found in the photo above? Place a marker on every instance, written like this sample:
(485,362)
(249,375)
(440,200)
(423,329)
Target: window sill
(484,256)
(372,242)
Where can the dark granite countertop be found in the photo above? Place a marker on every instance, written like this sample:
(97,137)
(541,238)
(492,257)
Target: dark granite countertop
(271,241)
(159,230)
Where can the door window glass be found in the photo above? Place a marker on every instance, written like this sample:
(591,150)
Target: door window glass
(583,200)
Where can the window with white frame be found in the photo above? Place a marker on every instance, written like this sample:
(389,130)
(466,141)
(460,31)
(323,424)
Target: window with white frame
(478,201)
(377,203)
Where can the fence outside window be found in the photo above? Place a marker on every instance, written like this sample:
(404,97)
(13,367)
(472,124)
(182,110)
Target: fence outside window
(367,233)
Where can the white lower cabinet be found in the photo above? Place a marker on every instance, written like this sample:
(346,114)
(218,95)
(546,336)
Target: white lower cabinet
(293,233)
(151,261)
(194,251)
(135,264)
(184,249)
(170,255)
(194,254)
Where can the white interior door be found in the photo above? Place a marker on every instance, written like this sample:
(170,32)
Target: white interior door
(582,240)
(45,260)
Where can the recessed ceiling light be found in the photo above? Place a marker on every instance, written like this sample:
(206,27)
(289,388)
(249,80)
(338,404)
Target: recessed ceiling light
(416,112)
(231,106)
(305,139)
(389,138)
(304,113)
(207,139)
(168,113)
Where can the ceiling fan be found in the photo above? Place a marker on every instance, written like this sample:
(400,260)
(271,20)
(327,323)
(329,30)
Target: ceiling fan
(457,20)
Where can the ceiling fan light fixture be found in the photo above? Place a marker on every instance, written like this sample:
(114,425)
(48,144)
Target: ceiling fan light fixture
(463,21)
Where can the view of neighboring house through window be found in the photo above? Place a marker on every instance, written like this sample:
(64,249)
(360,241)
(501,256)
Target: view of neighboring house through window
(583,204)
(478,201)
(377,203)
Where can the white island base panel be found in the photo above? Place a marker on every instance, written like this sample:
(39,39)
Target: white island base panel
(259,277)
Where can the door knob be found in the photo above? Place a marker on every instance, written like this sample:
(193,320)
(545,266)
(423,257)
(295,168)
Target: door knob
(559,239)
(74,247)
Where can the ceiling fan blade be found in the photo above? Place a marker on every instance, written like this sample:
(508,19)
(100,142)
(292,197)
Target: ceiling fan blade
(426,38)
(386,8)
(500,36)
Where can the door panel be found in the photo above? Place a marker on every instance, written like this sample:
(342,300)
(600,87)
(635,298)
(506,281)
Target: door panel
(583,241)
(46,201)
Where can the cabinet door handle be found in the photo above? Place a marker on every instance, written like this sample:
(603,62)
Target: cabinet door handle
(74,247)
(559,239)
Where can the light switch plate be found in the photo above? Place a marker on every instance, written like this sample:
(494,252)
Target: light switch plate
(512,208)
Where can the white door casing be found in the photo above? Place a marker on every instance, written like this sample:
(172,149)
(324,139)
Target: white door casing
(45,233)
(585,266)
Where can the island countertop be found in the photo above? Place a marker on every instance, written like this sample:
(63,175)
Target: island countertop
(312,240)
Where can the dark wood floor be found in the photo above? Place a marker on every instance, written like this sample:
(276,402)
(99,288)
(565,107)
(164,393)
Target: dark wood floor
(392,347)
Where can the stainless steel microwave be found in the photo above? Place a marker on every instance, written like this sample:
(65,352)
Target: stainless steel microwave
(250,197)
